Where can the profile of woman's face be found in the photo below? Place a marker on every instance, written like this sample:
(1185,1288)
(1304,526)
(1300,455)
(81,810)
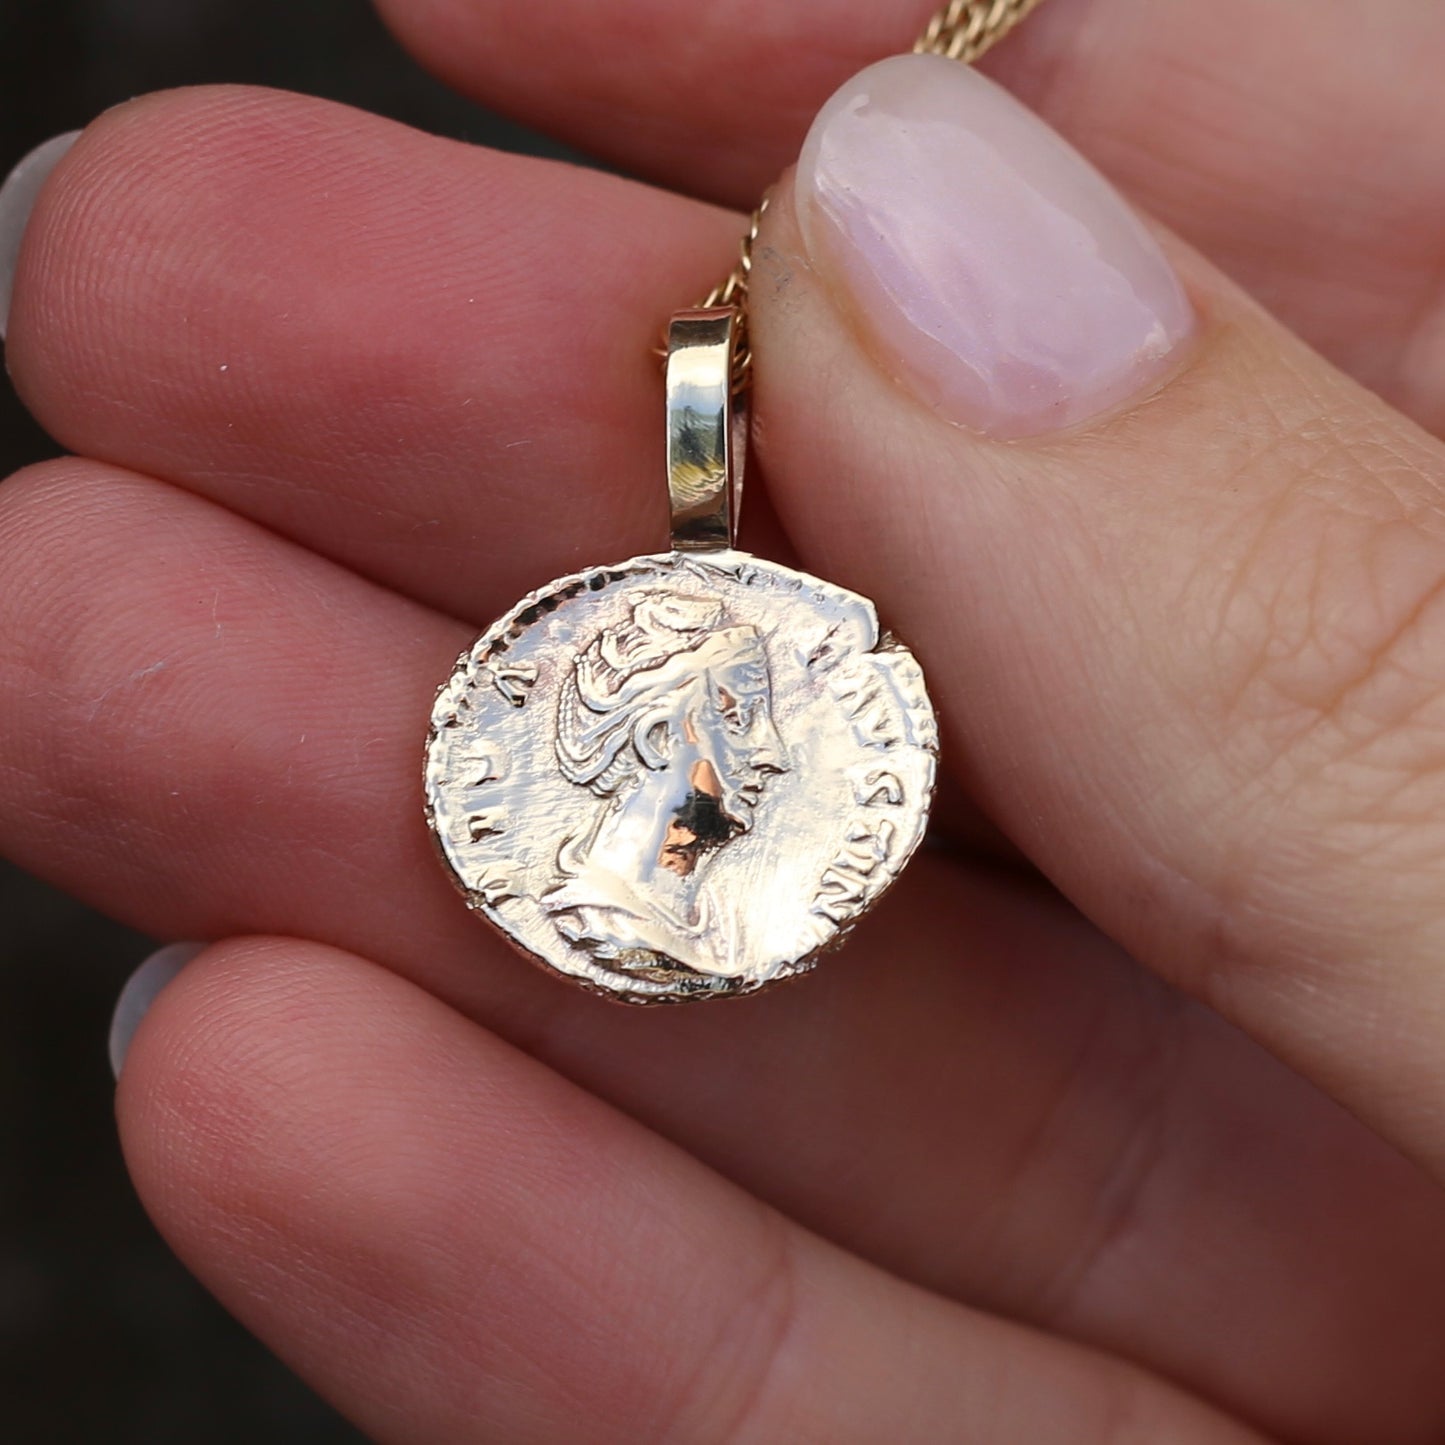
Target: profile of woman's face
(726,732)
(725,741)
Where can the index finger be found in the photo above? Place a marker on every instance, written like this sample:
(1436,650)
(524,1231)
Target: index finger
(1219,119)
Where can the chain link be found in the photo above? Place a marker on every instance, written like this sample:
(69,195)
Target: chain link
(734,292)
(963,30)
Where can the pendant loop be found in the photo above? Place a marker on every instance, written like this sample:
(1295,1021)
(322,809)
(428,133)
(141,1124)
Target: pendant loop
(706,430)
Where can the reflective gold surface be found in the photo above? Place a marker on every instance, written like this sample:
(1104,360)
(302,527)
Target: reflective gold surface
(687,776)
(705,436)
(681,777)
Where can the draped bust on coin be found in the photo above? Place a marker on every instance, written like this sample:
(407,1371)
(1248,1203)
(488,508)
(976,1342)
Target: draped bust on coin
(681,777)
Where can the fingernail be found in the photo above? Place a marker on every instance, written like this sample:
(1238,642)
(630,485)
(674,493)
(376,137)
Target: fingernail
(17,201)
(991,269)
(141,990)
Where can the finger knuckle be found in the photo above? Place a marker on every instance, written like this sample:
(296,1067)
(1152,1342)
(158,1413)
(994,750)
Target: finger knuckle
(735,1392)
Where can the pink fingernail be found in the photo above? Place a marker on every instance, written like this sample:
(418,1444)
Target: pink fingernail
(994,271)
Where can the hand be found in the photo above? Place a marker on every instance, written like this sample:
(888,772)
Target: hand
(340,392)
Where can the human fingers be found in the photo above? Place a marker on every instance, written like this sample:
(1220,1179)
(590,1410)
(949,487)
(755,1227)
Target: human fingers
(1175,578)
(392,348)
(363,365)
(400,428)
(205,729)
(1294,143)
(452,1242)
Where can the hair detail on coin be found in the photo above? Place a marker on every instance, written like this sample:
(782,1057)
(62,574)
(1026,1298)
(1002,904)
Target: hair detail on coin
(624,683)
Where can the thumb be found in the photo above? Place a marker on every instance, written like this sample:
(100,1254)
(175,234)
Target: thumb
(1179,586)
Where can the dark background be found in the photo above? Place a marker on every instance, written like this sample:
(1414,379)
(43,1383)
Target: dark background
(104,1338)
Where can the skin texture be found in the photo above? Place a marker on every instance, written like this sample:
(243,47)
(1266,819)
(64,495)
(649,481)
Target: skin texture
(1183,656)
(730,1324)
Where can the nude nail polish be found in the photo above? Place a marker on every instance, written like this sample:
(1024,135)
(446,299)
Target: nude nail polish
(990,268)
(18,195)
(141,990)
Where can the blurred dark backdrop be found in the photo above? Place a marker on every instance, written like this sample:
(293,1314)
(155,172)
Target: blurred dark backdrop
(104,1338)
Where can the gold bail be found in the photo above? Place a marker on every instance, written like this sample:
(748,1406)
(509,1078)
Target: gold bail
(706,430)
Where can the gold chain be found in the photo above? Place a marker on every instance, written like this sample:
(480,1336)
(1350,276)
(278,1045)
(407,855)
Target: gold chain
(963,30)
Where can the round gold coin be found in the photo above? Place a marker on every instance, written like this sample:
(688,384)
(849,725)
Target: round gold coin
(681,777)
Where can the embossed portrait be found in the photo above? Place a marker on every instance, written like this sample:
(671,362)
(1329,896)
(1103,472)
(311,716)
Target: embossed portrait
(667,719)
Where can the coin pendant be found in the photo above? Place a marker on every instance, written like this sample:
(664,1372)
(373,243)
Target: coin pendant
(685,776)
